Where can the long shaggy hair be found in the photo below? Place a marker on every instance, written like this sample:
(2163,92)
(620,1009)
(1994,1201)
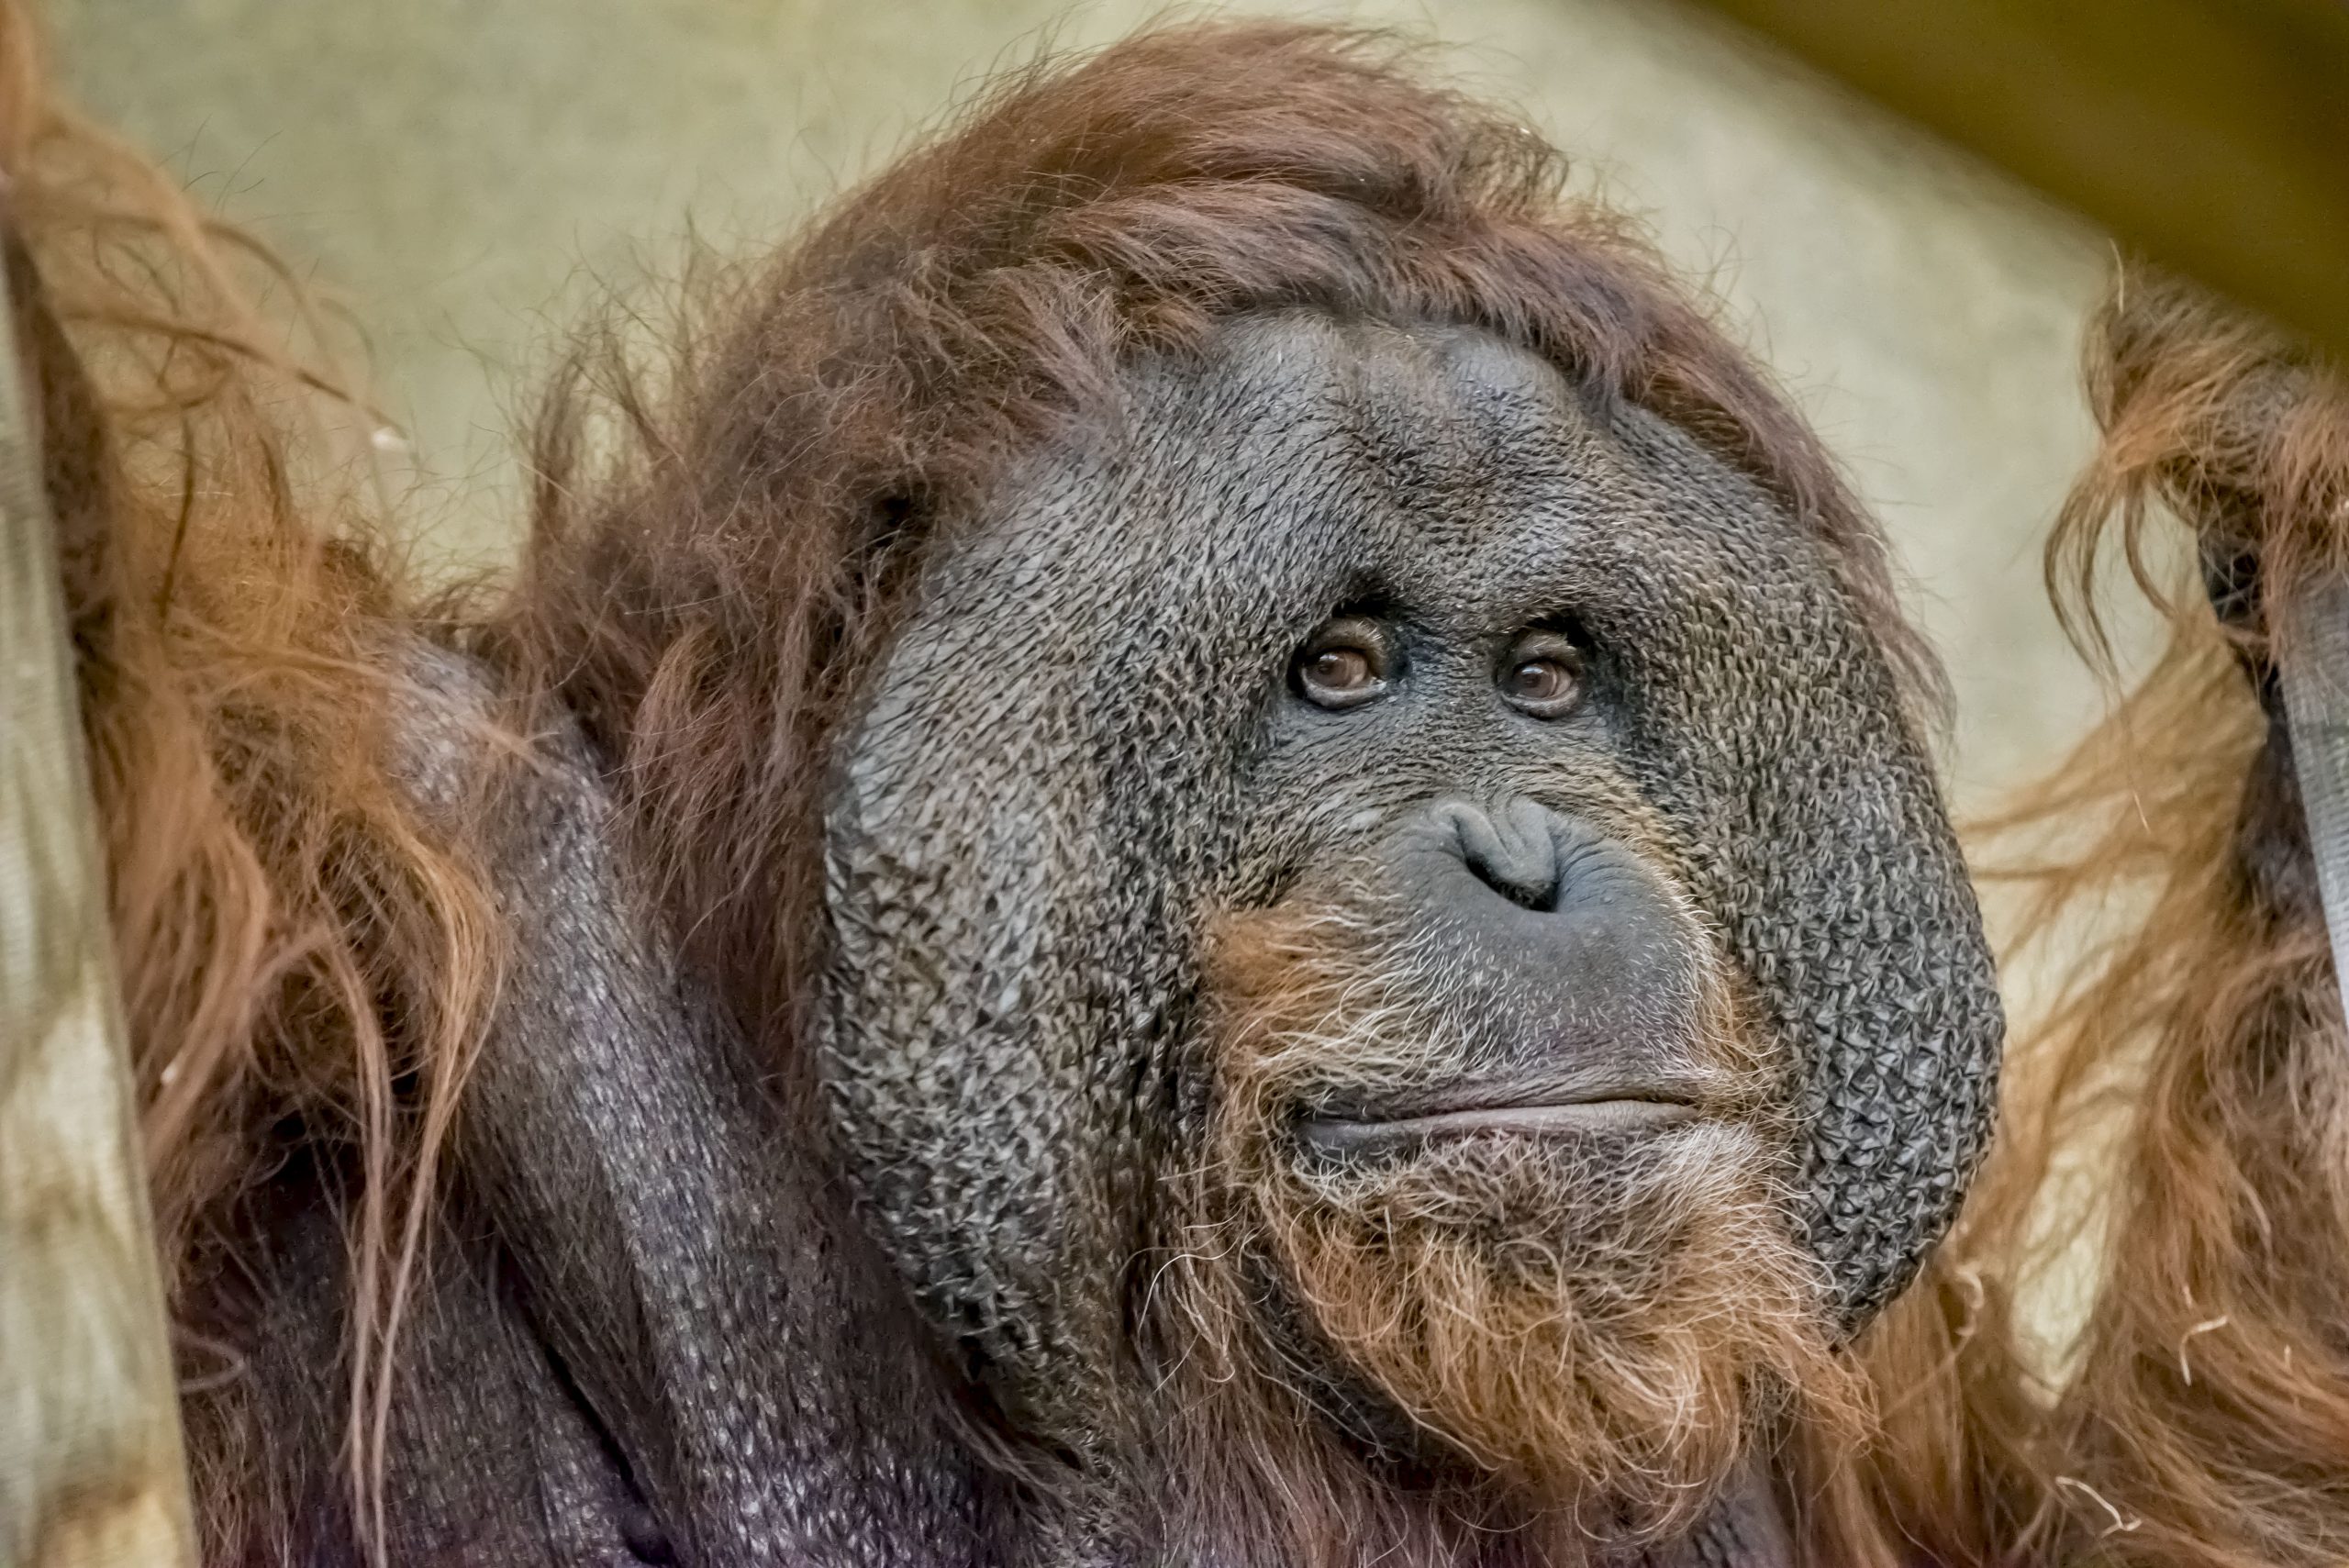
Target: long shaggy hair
(303,958)
(2202,1418)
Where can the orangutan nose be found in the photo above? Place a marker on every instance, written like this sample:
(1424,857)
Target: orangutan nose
(1574,974)
(1542,897)
(1514,852)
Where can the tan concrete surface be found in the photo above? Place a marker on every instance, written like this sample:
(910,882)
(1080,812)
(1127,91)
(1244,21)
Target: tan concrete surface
(464,171)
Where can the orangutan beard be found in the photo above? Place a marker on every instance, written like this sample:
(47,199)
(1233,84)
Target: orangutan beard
(1588,1334)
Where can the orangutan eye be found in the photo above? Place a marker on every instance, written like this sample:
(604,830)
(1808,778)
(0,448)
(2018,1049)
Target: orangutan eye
(1543,676)
(1347,664)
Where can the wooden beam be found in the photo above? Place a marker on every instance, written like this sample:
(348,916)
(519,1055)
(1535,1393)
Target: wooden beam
(91,1469)
(2210,135)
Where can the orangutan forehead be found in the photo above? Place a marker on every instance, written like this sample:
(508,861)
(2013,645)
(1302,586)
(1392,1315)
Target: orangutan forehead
(1427,457)
(1432,403)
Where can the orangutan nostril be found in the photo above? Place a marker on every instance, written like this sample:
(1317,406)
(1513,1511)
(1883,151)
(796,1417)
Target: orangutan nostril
(1516,856)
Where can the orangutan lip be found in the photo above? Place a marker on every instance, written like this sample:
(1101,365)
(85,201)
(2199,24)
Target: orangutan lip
(1565,1119)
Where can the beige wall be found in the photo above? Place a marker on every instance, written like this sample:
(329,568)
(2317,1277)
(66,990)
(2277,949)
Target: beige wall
(461,170)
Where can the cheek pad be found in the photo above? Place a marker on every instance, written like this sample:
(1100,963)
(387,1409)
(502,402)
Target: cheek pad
(1820,842)
(1023,829)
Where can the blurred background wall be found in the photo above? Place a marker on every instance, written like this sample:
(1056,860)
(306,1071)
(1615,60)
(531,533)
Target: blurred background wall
(467,174)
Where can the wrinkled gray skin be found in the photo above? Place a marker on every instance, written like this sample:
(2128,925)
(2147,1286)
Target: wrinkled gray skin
(661,1330)
(1081,749)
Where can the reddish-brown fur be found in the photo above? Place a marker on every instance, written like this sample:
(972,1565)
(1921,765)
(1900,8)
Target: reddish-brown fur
(713,561)
(294,941)
(1598,1349)
(2206,1419)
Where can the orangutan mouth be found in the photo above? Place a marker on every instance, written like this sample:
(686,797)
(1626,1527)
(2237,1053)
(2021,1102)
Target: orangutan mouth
(1561,1118)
